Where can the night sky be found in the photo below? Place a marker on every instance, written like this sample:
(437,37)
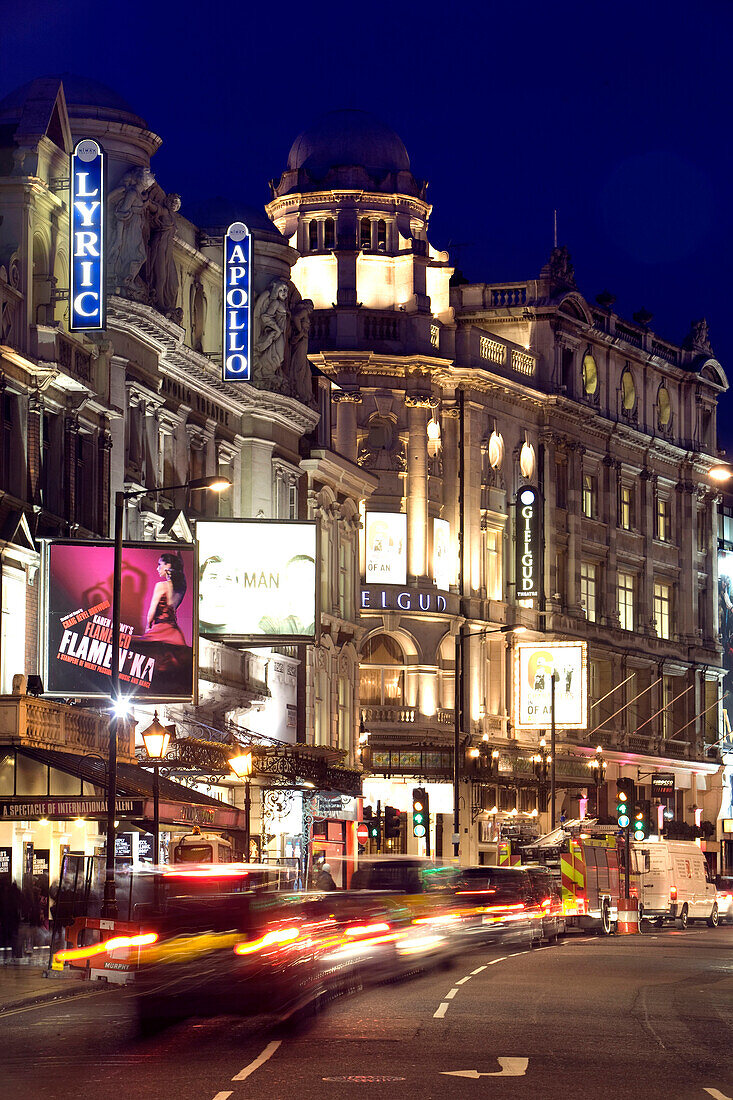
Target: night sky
(616,115)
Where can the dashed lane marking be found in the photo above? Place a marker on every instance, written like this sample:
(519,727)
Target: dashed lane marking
(441,1011)
(450,994)
(462,981)
(478,969)
(259,1061)
(716,1094)
(222,1095)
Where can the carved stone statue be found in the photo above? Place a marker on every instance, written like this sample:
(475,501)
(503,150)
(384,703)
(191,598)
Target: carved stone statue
(270,327)
(198,308)
(698,338)
(161,268)
(561,267)
(300,372)
(128,229)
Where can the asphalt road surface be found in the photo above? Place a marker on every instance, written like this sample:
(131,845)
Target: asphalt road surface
(620,1017)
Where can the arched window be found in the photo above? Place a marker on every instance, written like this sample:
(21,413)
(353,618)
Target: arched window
(590,374)
(382,235)
(365,233)
(329,233)
(313,236)
(628,390)
(382,673)
(664,407)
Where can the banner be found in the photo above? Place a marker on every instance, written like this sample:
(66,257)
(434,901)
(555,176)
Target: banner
(386,548)
(257,580)
(535,664)
(528,543)
(157,620)
(86,267)
(237,338)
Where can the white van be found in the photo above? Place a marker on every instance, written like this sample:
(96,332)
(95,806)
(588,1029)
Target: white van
(672,880)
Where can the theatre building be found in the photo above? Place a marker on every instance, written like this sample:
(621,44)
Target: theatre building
(460,398)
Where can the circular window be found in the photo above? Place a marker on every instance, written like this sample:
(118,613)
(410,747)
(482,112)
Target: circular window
(527,460)
(628,390)
(664,407)
(496,450)
(590,375)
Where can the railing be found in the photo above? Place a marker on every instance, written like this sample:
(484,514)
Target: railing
(493,350)
(509,296)
(381,328)
(46,724)
(629,335)
(445,717)
(320,329)
(390,714)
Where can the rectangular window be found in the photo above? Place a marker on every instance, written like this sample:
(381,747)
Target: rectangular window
(626,600)
(494,587)
(701,527)
(12,629)
(561,484)
(590,496)
(293,501)
(588,590)
(664,520)
(667,715)
(663,608)
(628,507)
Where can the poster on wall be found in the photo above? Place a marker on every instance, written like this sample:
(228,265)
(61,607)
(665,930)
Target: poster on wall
(535,664)
(157,620)
(257,580)
(386,548)
(441,554)
(725,626)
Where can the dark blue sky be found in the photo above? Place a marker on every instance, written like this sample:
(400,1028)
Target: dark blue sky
(616,115)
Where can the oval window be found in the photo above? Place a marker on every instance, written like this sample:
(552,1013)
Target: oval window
(496,450)
(590,375)
(628,390)
(526,460)
(664,407)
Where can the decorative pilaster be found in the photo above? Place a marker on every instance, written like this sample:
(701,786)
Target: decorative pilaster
(346,438)
(417,484)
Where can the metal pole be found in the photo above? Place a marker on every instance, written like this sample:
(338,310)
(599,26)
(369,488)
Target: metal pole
(458,690)
(156,816)
(110,898)
(552,750)
(627,868)
(247,810)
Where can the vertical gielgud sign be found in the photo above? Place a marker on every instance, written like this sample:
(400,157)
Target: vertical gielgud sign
(86,277)
(237,337)
(528,543)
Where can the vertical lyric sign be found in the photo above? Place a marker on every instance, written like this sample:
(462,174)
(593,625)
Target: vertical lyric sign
(237,338)
(528,529)
(86,276)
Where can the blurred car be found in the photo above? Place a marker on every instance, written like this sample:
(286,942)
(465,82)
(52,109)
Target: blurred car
(724,896)
(548,896)
(498,905)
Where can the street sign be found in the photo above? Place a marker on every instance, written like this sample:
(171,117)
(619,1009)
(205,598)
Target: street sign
(663,785)
(362,832)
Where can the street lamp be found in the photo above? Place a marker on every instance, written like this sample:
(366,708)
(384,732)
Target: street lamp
(721,473)
(540,761)
(156,739)
(242,767)
(216,484)
(457,721)
(598,764)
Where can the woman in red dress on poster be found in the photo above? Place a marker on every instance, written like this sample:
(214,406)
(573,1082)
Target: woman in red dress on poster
(162,625)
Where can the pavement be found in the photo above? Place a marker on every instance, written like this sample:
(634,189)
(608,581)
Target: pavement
(29,983)
(593,1018)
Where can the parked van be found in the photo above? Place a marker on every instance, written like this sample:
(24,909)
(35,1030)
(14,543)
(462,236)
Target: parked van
(672,882)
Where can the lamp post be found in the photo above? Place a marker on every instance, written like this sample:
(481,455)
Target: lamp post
(540,761)
(598,764)
(721,473)
(242,767)
(217,484)
(457,721)
(156,739)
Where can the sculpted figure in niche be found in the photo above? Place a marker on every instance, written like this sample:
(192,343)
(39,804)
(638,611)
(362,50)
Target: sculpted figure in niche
(270,326)
(127,207)
(198,307)
(300,372)
(162,274)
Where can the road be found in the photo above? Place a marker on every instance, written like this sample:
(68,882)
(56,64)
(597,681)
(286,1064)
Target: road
(620,1017)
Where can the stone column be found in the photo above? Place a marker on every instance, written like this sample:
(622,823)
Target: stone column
(685,522)
(647,485)
(104,450)
(346,422)
(256,478)
(35,414)
(417,484)
(575,514)
(71,436)
(609,512)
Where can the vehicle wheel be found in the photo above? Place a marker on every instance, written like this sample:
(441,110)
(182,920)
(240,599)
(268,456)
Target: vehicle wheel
(606,918)
(659,922)
(682,919)
(712,921)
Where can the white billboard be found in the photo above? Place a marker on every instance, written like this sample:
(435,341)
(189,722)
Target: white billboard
(441,554)
(386,548)
(535,663)
(257,579)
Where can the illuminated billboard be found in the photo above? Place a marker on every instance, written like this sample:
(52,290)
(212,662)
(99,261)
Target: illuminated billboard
(257,579)
(157,620)
(441,554)
(386,548)
(725,626)
(86,274)
(237,338)
(534,666)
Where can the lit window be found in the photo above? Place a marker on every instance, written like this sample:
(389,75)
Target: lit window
(628,390)
(12,633)
(664,525)
(628,507)
(662,608)
(588,590)
(493,563)
(626,600)
(590,375)
(496,449)
(590,496)
(667,713)
(381,673)
(664,407)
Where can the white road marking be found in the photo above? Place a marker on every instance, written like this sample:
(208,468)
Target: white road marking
(259,1061)
(441,1011)
(716,1095)
(450,994)
(510,1067)
(478,970)
(222,1096)
(462,981)
(501,960)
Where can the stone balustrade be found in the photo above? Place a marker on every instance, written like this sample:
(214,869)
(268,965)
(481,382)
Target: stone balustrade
(49,724)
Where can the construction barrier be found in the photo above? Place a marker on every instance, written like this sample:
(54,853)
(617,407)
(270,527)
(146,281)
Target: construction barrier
(628,916)
(76,936)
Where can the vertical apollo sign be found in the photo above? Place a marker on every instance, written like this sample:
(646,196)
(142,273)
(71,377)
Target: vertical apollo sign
(237,339)
(528,529)
(86,278)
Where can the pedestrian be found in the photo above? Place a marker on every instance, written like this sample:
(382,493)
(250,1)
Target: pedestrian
(324,881)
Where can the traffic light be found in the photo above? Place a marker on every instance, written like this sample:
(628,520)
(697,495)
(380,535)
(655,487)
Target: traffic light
(420,812)
(372,822)
(624,802)
(392,822)
(642,823)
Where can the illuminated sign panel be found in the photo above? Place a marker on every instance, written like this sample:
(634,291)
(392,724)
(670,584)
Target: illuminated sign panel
(386,548)
(257,580)
(528,528)
(86,276)
(237,338)
(725,626)
(663,785)
(441,554)
(402,599)
(534,665)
